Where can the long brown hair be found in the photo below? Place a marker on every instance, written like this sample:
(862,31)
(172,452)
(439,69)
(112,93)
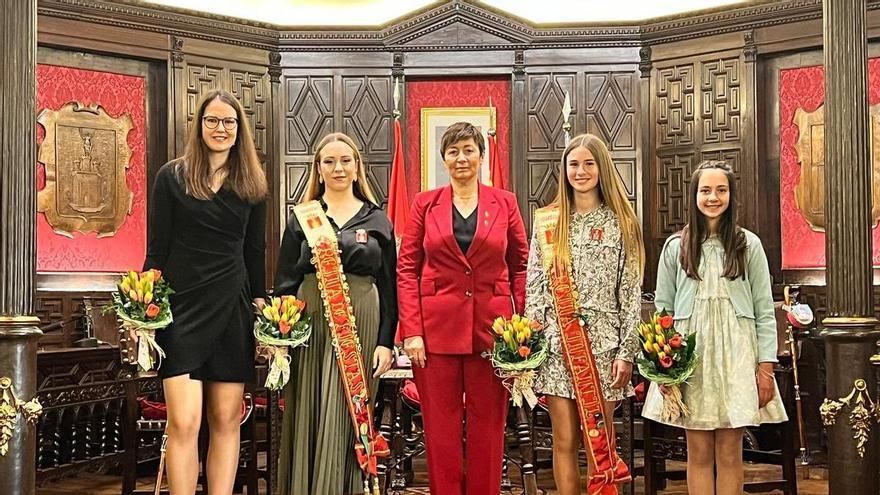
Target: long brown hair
(361,188)
(245,175)
(697,231)
(611,191)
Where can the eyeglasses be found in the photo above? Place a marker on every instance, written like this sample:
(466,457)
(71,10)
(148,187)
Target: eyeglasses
(211,122)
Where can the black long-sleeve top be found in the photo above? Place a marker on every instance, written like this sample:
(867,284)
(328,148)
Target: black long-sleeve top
(377,257)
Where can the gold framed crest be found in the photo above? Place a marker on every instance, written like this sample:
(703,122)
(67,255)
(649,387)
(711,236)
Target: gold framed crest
(86,156)
(809,193)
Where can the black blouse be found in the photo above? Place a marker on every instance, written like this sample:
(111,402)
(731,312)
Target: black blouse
(464,228)
(377,257)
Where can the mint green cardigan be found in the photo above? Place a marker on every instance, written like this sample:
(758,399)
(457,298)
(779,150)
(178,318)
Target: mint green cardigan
(751,296)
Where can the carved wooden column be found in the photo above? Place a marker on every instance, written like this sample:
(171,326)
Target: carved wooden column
(850,324)
(18,326)
(646,148)
(519,169)
(276,221)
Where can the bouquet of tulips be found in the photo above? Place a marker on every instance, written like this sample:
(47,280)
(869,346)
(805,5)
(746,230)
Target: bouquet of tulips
(667,358)
(280,324)
(520,347)
(141,303)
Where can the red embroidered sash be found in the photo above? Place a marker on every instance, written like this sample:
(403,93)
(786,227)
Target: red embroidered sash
(369,444)
(598,433)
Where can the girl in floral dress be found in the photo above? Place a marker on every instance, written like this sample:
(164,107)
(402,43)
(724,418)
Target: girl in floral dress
(599,232)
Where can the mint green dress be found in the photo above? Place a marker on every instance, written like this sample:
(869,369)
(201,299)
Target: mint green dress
(722,392)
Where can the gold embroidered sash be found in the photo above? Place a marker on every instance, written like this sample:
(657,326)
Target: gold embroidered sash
(597,431)
(369,444)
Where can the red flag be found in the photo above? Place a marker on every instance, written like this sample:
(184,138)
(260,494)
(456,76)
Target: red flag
(496,174)
(398,201)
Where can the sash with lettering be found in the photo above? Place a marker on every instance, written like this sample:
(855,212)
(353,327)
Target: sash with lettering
(598,433)
(369,443)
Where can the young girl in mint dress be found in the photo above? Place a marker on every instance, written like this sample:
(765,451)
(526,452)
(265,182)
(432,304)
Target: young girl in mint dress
(713,277)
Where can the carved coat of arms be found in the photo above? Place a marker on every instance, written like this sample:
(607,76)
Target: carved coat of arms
(810,191)
(86,156)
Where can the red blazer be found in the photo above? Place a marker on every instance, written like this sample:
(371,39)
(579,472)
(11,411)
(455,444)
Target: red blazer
(451,299)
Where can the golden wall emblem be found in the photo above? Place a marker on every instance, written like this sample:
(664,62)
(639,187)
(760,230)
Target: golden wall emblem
(810,191)
(86,155)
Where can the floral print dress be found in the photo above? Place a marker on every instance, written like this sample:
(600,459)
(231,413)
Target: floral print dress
(609,293)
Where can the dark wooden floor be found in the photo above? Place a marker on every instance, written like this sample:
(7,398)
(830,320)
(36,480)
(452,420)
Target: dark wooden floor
(811,482)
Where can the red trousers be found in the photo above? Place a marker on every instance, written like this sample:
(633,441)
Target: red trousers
(472,467)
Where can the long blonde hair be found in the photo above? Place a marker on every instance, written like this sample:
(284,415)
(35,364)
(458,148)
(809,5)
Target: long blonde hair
(611,192)
(245,175)
(315,188)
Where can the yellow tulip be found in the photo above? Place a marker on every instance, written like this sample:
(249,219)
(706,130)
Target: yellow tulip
(661,354)
(661,339)
(148,298)
(656,348)
(647,347)
(267,312)
(649,338)
(666,349)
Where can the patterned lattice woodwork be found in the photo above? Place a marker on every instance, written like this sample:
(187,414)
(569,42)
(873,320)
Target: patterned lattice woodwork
(358,105)
(698,108)
(250,87)
(603,103)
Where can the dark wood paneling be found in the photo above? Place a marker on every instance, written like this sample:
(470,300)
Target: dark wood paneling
(699,107)
(603,102)
(356,101)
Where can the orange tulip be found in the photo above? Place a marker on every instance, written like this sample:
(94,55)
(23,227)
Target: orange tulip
(524,351)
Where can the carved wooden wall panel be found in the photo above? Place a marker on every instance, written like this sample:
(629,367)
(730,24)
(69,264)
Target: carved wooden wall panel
(308,112)
(65,308)
(367,116)
(675,106)
(358,104)
(250,86)
(699,109)
(252,90)
(720,105)
(546,96)
(604,103)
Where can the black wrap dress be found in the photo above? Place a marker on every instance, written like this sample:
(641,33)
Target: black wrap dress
(212,253)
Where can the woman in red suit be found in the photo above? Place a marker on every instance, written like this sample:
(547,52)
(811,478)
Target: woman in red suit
(462,263)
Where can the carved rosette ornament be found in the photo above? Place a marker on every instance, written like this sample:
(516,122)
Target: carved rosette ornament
(864,412)
(809,192)
(10,406)
(86,156)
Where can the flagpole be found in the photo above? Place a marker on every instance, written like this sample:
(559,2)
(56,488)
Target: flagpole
(492,149)
(566,113)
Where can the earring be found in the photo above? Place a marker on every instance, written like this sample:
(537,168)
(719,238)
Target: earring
(320,180)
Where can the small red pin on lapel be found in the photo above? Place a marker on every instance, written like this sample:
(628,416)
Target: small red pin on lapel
(596,233)
(360,236)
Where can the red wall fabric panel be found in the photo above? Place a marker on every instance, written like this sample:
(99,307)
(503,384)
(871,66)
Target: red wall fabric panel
(453,93)
(804,87)
(118,94)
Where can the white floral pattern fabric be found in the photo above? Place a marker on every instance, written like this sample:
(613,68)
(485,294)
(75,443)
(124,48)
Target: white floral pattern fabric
(722,392)
(609,293)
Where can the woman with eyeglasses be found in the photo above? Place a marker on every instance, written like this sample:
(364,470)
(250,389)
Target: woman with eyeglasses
(207,236)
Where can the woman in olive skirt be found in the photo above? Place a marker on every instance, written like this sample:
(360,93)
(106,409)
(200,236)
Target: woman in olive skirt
(317,443)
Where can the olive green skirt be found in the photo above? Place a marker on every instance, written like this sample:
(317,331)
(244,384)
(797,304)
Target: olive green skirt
(317,441)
